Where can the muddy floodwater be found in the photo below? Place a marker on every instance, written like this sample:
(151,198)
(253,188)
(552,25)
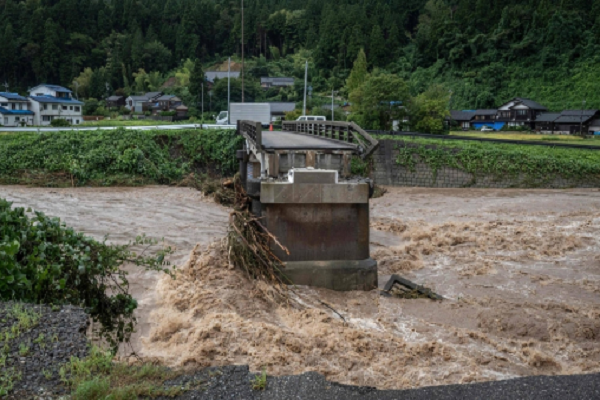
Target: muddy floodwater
(519,271)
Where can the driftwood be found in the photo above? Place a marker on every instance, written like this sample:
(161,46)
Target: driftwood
(249,243)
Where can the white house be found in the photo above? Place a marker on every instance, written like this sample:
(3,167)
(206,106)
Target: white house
(15,110)
(135,103)
(50,102)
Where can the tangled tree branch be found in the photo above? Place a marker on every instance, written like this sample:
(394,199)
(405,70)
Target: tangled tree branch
(249,243)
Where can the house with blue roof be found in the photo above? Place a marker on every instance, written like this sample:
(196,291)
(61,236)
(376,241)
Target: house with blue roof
(15,110)
(49,102)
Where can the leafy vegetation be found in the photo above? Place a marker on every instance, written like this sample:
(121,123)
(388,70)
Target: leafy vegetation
(260,381)
(119,157)
(43,261)
(534,165)
(97,377)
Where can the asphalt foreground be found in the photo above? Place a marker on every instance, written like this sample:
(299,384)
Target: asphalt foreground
(235,383)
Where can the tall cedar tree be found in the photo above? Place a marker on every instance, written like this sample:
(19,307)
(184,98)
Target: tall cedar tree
(377,50)
(358,75)
(196,80)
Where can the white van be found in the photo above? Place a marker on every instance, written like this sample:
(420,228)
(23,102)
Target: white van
(311,118)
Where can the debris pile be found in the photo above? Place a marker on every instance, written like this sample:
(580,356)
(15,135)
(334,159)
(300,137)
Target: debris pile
(405,289)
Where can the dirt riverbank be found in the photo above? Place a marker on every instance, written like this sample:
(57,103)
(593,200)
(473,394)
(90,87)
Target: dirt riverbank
(520,271)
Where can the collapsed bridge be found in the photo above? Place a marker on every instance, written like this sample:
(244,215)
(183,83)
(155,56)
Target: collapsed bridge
(300,183)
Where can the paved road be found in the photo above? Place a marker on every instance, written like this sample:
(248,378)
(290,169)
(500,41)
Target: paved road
(235,383)
(109,128)
(279,140)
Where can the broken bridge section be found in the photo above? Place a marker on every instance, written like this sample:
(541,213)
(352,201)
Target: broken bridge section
(300,183)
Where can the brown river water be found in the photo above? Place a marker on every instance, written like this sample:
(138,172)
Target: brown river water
(519,270)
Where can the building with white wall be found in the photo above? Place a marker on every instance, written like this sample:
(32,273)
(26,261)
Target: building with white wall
(49,102)
(15,110)
(136,103)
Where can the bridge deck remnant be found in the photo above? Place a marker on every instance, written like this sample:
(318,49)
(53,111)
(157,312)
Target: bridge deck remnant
(324,223)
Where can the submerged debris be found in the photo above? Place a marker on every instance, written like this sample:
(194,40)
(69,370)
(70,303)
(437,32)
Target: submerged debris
(405,289)
(249,243)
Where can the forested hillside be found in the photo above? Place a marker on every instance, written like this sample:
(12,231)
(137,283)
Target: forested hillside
(485,51)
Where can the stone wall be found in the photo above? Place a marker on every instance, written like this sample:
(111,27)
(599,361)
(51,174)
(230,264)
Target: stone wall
(386,171)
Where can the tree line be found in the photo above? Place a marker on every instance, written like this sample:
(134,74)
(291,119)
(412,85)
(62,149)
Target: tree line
(484,51)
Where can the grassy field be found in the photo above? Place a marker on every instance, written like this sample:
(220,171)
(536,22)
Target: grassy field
(530,136)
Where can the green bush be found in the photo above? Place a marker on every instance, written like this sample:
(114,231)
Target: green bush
(44,261)
(59,122)
(115,157)
(168,113)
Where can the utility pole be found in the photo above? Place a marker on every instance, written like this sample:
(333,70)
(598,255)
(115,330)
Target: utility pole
(332,94)
(6,85)
(581,119)
(242,51)
(202,102)
(305,84)
(229,88)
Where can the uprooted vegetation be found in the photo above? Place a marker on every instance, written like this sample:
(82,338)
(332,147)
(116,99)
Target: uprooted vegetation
(249,244)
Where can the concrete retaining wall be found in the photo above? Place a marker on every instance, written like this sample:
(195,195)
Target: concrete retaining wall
(386,171)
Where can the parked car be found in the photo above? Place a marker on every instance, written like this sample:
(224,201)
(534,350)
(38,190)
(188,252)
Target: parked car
(311,118)
(486,128)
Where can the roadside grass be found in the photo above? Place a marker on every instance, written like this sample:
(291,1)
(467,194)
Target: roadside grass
(98,377)
(260,381)
(567,139)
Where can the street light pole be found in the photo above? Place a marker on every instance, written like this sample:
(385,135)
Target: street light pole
(229,89)
(333,92)
(305,84)
(332,117)
(242,51)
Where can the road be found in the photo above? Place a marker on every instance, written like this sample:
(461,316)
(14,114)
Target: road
(109,128)
(235,383)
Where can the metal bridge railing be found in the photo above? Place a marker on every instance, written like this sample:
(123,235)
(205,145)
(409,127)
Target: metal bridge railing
(347,132)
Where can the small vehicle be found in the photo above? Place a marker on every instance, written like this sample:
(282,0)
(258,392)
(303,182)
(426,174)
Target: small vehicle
(311,118)
(486,128)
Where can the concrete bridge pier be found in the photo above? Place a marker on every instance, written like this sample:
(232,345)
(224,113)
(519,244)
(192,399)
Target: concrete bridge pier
(293,177)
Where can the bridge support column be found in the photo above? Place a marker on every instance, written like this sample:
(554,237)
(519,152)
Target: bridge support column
(325,226)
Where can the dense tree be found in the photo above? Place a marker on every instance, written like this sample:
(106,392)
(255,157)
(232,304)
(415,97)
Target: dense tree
(379,101)
(51,52)
(196,80)
(485,51)
(429,109)
(377,49)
